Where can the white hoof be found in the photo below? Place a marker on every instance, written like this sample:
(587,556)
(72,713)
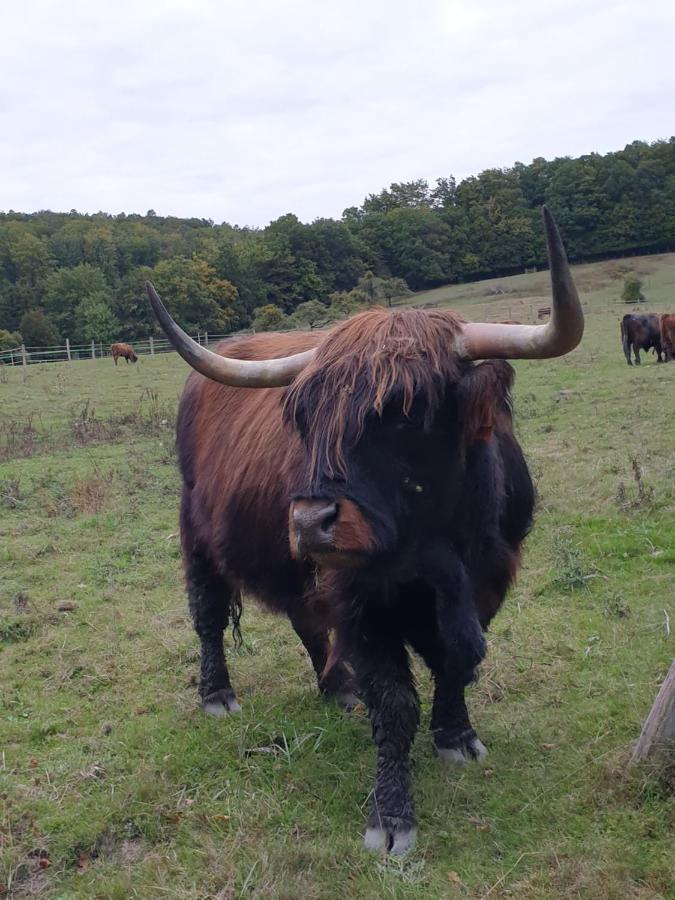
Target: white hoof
(221,703)
(473,750)
(381,840)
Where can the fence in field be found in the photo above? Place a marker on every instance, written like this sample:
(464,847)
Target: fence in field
(24,356)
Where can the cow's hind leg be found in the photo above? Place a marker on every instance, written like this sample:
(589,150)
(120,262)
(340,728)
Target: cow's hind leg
(210,601)
(333,677)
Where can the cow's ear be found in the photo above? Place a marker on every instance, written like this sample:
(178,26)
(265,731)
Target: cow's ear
(484,396)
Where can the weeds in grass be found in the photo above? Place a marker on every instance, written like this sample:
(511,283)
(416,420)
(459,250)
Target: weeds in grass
(12,630)
(87,428)
(20,438)
(570,569)
(10,493)
(642,495)
(149,415)
(615,607)
(25,438)
(527,407)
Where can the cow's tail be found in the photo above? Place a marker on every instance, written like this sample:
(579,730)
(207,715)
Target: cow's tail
(235,616)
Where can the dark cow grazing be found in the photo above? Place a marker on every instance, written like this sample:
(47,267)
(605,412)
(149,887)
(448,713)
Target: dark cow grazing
(382,496)
(667,325)
(641,332)
(126,351)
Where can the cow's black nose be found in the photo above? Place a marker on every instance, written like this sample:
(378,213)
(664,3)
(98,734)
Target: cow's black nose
(314,522)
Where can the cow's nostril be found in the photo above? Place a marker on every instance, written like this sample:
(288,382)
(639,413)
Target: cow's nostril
(329,517)
(314,521)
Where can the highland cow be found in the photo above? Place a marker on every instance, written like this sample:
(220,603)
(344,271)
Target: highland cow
(366,482)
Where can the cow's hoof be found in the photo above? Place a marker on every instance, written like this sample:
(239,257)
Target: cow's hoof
(468,748)
(348,701)
(221,703)
(338,684)
(390,840)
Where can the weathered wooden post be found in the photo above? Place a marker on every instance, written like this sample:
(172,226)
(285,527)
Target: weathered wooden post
(93,350)
(206,339)
(152,347)
(68,349)
(658,732)
(24,360)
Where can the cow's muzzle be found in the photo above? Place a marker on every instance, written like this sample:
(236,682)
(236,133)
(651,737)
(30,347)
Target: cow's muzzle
(314,533)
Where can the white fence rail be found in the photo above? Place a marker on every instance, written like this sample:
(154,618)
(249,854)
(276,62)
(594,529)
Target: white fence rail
(24,356)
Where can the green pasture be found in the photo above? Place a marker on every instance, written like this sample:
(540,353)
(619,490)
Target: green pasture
(113,784)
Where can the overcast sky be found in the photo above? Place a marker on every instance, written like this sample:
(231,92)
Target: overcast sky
(243,111)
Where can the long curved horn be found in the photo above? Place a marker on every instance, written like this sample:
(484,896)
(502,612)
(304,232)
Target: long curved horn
(252,373)
(562,333)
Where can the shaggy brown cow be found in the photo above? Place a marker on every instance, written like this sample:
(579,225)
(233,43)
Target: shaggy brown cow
(641,332)
(382,495)
(126,351)
(668,335)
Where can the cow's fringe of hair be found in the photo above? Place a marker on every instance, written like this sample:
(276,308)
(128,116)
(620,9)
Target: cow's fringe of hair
(364,363)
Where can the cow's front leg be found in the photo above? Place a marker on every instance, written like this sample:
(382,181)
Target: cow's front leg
(462,648)
(465,647)
(383,675)
(452,658)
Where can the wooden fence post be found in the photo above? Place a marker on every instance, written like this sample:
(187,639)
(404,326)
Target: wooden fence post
(24,361)
(68,349)
(93,350)
(206,339)
(658,731)
(152,347)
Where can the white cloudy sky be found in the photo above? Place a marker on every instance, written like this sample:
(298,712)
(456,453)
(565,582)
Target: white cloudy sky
(243,110)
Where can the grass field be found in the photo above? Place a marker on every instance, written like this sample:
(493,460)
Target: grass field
(113,784)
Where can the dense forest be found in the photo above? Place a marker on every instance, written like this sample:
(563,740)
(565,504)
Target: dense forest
(81,276)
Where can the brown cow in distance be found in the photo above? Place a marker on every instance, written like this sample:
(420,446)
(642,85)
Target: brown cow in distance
(365,481)
(640,332)
(126,351)
(668,335)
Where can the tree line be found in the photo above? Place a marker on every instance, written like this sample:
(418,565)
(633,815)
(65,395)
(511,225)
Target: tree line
(82,276)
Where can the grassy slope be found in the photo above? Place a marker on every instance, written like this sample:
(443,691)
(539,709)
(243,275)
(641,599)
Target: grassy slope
(110,773)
